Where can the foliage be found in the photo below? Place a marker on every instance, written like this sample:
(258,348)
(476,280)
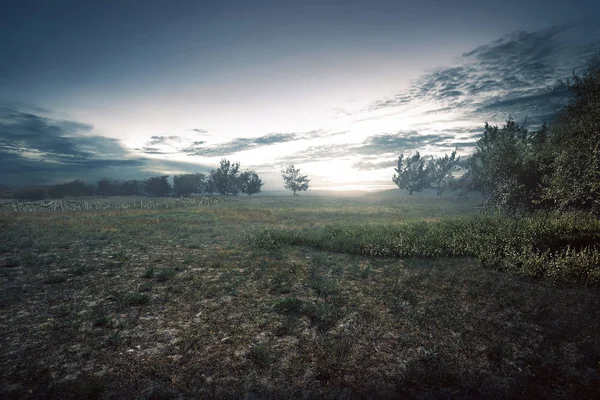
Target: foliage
(158,185)
(186,184)
(29,194)
(560,248)
(210,185)
(556,167)
(116,187)
(250,183)
(575,138)
(441,172)
(293,180)
(412,174)
(74,188)
(507,167)
(226,177)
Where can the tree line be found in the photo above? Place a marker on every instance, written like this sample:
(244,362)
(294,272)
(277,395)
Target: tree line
(518,170)
(224,180)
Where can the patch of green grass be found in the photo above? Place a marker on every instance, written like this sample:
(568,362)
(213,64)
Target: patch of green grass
(287,327)
(559,248)
(261,355)
(324,315)
(54,279)
(148,273)
(136,299)
(164,274)
(289,306)
(103,321)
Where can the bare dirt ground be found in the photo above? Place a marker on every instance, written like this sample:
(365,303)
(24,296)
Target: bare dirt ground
(175,304)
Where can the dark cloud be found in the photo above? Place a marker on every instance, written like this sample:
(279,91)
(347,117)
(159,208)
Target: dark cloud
(507,76)
(198,130)
(399,142)
(39,150)
(369,151)
(200,148)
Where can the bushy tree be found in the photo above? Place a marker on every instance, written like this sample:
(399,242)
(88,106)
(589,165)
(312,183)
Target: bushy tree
(226,177)
(116,187)
(186,184)
(507,168)
(412,173)
(293,180)
(441,172)
(574,138)
(73,188)
(29,194)
(131,187)
(158,185)
(210,185)
(250,182)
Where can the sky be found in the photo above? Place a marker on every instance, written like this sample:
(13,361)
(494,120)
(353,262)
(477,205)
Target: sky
(134,88)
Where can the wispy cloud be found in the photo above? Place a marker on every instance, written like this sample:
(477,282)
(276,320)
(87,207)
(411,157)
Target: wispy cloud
(398,143)
(201,148)
(510,75)
(35,149)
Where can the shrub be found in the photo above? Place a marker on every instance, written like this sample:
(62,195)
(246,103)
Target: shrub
(29,194)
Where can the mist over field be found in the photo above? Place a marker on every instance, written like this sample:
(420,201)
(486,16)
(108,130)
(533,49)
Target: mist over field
(323,199)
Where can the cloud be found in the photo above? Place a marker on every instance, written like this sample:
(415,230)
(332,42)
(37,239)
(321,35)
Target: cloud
(201,148)
(198,130)
(40,150)
(159,140)
(399,142)
(369,166)
(509,76)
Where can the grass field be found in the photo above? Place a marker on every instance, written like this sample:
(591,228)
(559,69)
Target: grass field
(195,303)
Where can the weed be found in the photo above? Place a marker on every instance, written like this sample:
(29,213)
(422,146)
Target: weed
(289,306)
(148,273)
(103,321)
(164,274)
(261,355)
(53,279)
(136,299)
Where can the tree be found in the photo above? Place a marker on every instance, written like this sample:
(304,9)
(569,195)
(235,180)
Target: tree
(73,188)
(29,194)
(210,185)
(293,180)
(226,177)
(186,184)
(412,173)
(116,187)
(574,140)
(508,167)
(441,171)
(158,185)
(250,182)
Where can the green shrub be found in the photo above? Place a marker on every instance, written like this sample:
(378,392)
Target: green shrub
(558,247)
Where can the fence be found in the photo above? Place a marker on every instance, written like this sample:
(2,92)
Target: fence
(108,204)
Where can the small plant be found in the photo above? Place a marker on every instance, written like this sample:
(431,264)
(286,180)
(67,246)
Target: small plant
(324,315)
(289,306)
(261,355)
(287,326)
(52,279)
(136,299)
(114,339)
(103,321)
(165,274)
(148,273)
